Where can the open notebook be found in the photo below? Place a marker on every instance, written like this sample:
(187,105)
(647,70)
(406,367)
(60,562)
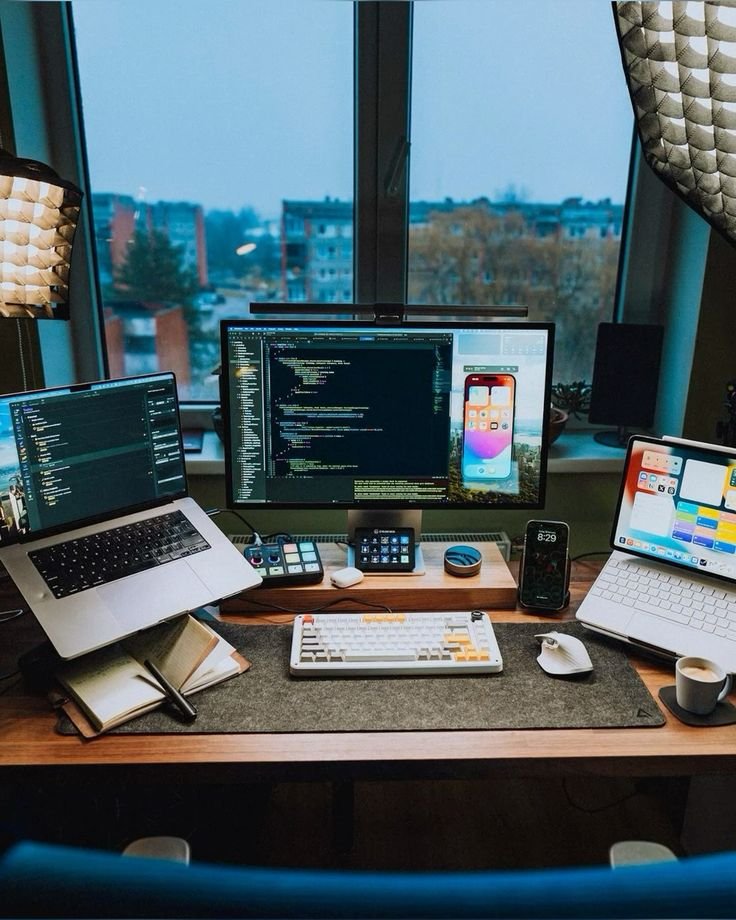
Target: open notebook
(111,686)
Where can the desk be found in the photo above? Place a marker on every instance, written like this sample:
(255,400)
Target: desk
(29,745)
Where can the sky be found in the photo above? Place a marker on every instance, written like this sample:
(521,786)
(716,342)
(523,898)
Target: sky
(237,103)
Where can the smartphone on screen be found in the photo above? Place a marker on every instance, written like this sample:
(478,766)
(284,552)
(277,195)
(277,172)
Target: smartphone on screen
(488,426)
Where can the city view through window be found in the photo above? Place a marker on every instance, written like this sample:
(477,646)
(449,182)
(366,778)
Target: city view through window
(221,166)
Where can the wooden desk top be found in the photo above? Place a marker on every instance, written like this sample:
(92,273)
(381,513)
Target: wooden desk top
(28,739)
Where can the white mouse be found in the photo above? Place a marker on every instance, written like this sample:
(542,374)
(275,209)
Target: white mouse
(561,654)
(343,578)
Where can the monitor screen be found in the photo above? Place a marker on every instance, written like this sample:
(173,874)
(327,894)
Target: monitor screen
(74,455)
(330,414)
(678,503)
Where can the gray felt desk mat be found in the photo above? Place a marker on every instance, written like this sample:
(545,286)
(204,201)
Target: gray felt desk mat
(267,699)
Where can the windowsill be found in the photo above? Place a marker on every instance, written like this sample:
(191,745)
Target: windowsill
(573,452)
(210,461)
(578,452)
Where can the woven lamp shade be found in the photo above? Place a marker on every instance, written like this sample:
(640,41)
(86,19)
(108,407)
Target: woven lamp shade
(39,213)
(680,64)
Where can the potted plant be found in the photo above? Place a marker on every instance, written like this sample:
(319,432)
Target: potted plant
(567,399)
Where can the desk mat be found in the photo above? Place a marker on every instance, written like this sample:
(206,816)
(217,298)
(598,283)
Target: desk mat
(267,699)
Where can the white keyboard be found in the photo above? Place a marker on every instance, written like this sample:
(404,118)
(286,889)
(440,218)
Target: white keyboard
(678,599)
(365,644)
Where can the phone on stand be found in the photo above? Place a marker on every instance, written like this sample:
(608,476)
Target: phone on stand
(544,574)
(488,426)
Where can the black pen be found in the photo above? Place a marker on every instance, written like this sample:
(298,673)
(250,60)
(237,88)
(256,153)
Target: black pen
(188,712)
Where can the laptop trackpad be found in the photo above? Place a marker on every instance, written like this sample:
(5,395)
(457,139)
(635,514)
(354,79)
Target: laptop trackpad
(143,599)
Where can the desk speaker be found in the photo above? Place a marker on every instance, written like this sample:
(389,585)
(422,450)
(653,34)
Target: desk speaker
(625,378)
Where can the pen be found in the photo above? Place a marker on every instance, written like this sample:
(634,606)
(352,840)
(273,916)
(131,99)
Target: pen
(188,712)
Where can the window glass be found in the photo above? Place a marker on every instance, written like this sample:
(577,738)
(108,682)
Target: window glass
(219,139)
(521,138)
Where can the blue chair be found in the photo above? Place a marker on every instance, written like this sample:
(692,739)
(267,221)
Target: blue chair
(40,880)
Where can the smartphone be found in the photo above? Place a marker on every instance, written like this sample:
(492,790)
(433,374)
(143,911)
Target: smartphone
(544,574)
(488,426)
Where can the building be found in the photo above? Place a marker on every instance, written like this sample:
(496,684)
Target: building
(144,338)
(118,217)
(183,224)
(115,219)
(317,236)
(572,217)
(317,251)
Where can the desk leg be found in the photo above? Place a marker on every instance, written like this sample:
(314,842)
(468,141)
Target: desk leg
(343,815)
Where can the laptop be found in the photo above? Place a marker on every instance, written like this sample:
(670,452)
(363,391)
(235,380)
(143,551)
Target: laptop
(96,527)
(670,584)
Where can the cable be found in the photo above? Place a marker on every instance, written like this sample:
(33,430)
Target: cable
(598,808)
(595,552)
(7,615)
(280,537)
(213,512)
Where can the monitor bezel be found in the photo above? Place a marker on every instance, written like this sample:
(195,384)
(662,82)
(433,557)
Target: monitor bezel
(113,513)
(316,323)
(674,443)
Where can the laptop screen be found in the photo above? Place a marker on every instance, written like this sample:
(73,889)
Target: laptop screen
(678,505)
(75,455)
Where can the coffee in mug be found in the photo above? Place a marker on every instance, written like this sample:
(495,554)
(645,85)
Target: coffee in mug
(700,684)
(699,673)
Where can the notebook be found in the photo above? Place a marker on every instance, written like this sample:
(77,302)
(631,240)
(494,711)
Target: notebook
(670,584)
(96,527)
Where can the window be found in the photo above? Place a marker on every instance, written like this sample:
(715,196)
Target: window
(242,80)
(521,140)
(209,128)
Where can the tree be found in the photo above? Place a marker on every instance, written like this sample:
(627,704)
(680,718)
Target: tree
(478,255)
(226,231)
(153,271)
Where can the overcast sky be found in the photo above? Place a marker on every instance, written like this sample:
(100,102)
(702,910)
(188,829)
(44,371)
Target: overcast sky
(245,102)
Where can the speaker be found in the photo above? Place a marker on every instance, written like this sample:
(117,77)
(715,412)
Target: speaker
(625,378)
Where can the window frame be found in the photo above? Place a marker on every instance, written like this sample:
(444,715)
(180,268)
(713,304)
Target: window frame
(43,87)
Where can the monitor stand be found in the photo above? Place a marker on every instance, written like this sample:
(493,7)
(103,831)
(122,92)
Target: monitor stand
(387,517)
(618,438)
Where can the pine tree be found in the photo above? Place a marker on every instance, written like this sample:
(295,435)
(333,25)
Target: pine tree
(153,272)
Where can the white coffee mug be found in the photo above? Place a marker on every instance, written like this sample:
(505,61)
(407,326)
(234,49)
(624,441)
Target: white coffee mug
(700,684)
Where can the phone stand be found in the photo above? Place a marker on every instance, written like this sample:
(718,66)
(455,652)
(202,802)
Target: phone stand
(566,601)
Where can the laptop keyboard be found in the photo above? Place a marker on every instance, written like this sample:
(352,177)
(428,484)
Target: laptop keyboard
(76,565)
(679,600)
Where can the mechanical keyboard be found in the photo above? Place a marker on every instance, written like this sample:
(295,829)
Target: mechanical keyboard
(98,558)
(678,599)
(368,644)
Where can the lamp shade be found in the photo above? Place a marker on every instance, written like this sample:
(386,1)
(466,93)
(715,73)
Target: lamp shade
(680,64)
(39,213)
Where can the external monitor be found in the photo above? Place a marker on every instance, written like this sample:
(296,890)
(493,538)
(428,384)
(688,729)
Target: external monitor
(625,377)
(385,420)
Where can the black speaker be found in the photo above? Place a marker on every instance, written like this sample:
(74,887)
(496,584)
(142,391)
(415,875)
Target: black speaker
(625,377)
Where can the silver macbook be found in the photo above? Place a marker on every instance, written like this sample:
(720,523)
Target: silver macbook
(670,584)
(96,527)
